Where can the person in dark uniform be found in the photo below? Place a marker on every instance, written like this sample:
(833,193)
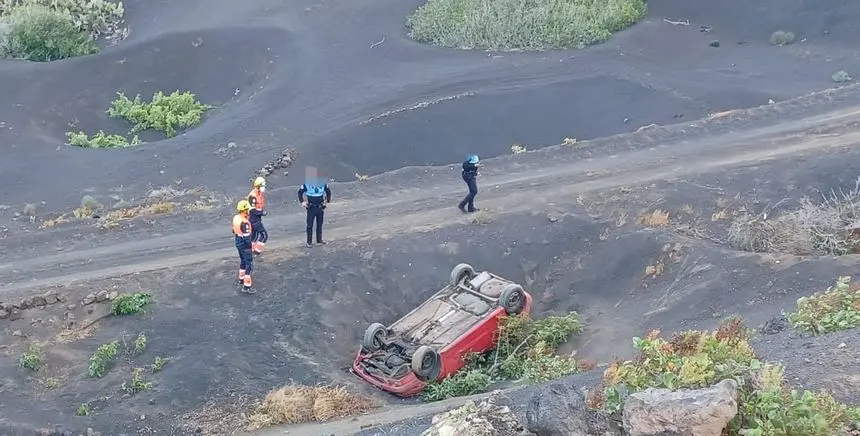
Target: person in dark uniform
(314,196)
(470,174)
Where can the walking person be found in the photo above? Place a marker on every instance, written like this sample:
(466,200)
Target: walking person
(257,199)
(470,174)
(314,196)
(242,230)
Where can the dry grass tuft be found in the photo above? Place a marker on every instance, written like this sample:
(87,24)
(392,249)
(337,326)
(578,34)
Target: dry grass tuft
(655,270)
(54,221)
(295,404)
(719,215)
(205,203)
(657,218)
(831,227)
(480,218)
(89,208)
(112,219)
(752,233)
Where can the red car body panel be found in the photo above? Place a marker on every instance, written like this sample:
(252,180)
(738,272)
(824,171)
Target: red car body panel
(477,339)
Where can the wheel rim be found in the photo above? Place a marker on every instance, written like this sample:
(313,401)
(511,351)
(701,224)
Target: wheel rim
(377,340)
(514,300)
(427,361)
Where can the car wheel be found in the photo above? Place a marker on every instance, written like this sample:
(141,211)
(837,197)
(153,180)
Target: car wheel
(426,363)
(461,273)
(512,299)
(374,336)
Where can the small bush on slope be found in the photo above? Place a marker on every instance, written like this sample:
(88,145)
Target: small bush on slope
(837,308)
(524,351)
(295,404)
(95,17)
(165,113)
(37,33)
(101,140)
(519,24)
(826,227)
(697,359)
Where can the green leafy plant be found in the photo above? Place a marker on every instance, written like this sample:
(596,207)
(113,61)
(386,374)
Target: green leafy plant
(83,410)
(694,359)
(137,383)
(159,362)
(464,382)
(38,33)
(130,304)
(95,17)
(837,308)
(525,350)
(140,343)
(102,359)
(50,383)
(101,140)
(31,358)
(518,25)
(165,113)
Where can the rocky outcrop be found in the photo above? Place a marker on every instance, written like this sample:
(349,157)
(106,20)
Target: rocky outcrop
(559,409)
(12,311)
(699,412)
(284,161)
(486,418)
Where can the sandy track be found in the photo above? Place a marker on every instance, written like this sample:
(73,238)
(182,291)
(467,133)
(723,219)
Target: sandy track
(525,184)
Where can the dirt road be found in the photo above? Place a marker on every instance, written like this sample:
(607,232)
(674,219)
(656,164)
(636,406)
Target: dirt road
(525,182)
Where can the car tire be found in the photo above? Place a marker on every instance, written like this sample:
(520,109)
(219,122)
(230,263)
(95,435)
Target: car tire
(461,273)
(426,364)
(374,336)
(512,299)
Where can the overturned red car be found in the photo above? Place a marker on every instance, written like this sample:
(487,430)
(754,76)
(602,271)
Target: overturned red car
(431,342)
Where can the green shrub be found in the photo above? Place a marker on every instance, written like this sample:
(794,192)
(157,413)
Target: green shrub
(165,113)
(37,33)
(130,304)
(837,308)
(102,359)
(31,358)
(95,17)
(695,359)
(159,362)
(137,383)
(465,382)
(83,410)
(781,37)
(518,24)
(140,343)
(101,140)
(841,76)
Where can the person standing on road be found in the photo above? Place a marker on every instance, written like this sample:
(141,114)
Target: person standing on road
(314,196)
(470,174)
(243,231)
(257,199)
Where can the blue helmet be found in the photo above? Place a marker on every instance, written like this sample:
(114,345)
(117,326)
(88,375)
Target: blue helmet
(473,159)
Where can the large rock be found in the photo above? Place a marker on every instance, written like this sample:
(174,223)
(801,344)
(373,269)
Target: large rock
(483,419)
(699,412)
(559,409)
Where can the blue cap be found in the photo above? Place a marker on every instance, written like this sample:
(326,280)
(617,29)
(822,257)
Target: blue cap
(473,159)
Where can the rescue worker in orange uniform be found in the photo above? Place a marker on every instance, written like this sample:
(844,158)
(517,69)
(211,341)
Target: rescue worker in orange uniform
(243,230)
(257,199)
